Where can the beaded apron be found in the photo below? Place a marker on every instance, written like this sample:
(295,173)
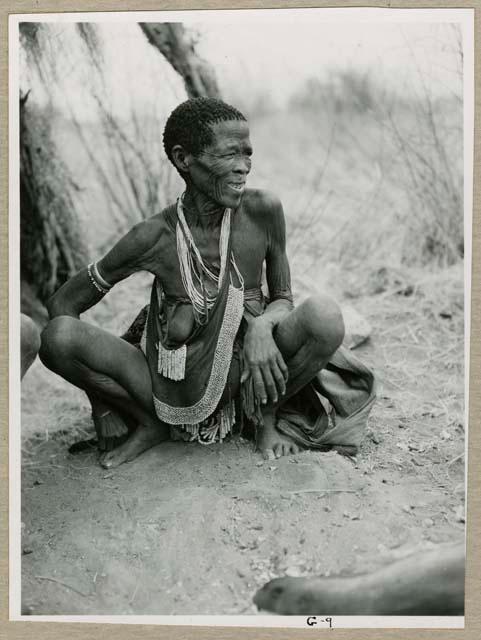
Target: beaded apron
(188,381)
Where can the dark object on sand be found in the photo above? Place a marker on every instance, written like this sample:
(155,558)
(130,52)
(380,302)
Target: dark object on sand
(428,583)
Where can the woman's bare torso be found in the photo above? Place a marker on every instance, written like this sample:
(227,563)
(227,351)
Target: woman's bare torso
(250,240)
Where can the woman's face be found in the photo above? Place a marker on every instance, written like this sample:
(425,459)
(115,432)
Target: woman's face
(220,171)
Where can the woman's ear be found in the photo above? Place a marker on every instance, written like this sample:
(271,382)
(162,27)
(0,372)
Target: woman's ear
(181,158)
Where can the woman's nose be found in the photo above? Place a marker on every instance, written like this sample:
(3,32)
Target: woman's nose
(243,164)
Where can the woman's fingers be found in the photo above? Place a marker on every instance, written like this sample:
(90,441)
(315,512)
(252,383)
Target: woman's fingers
(279,378)
(259,388)
(269,378)
(282,366)
(269,383)
(245,374)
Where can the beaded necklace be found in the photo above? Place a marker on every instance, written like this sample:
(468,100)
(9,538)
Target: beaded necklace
(194,271)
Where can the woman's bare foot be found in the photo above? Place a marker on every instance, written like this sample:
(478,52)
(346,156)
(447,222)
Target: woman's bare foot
(270,442)
(142,438)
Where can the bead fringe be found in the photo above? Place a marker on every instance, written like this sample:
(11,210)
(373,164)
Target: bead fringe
(214,429)
(226,420)
(171,362)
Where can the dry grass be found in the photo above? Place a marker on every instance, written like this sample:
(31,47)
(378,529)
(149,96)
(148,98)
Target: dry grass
(417,351)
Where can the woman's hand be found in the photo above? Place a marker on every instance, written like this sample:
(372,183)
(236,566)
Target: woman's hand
(263,361)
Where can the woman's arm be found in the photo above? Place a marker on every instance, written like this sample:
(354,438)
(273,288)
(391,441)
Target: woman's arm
(263,360)
(74,297)
(278,272)
(129,255)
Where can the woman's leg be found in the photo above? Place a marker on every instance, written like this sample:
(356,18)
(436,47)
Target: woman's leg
(307,338)
(110,368)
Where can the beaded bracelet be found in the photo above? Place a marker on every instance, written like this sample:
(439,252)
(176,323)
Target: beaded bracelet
(100,288)
(102,282)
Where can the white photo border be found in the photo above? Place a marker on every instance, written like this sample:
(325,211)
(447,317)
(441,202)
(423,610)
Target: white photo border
(465,18)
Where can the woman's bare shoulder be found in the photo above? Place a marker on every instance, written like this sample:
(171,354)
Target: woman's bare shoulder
(149,232)
(134,250)
(263,207)
(262,201)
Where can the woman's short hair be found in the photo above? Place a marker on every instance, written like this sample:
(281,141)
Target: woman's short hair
(189,124)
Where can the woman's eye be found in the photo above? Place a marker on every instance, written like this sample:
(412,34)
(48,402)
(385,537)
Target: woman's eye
(234,154)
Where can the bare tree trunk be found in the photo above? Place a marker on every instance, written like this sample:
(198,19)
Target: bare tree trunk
(177,46)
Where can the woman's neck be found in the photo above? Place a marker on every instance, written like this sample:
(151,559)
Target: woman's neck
(201,211)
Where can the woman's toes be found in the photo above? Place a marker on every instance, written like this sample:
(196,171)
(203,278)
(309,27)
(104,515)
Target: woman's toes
(106,460)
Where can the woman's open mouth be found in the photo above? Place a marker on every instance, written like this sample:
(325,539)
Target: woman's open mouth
(238,187)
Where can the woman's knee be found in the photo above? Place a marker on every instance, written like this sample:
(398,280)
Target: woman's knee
(323,322)
(57,341)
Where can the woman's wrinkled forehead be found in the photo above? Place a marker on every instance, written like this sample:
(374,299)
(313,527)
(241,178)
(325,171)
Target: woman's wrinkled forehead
(229,132)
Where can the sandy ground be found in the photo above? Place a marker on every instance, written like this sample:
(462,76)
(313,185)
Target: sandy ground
(188,529)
